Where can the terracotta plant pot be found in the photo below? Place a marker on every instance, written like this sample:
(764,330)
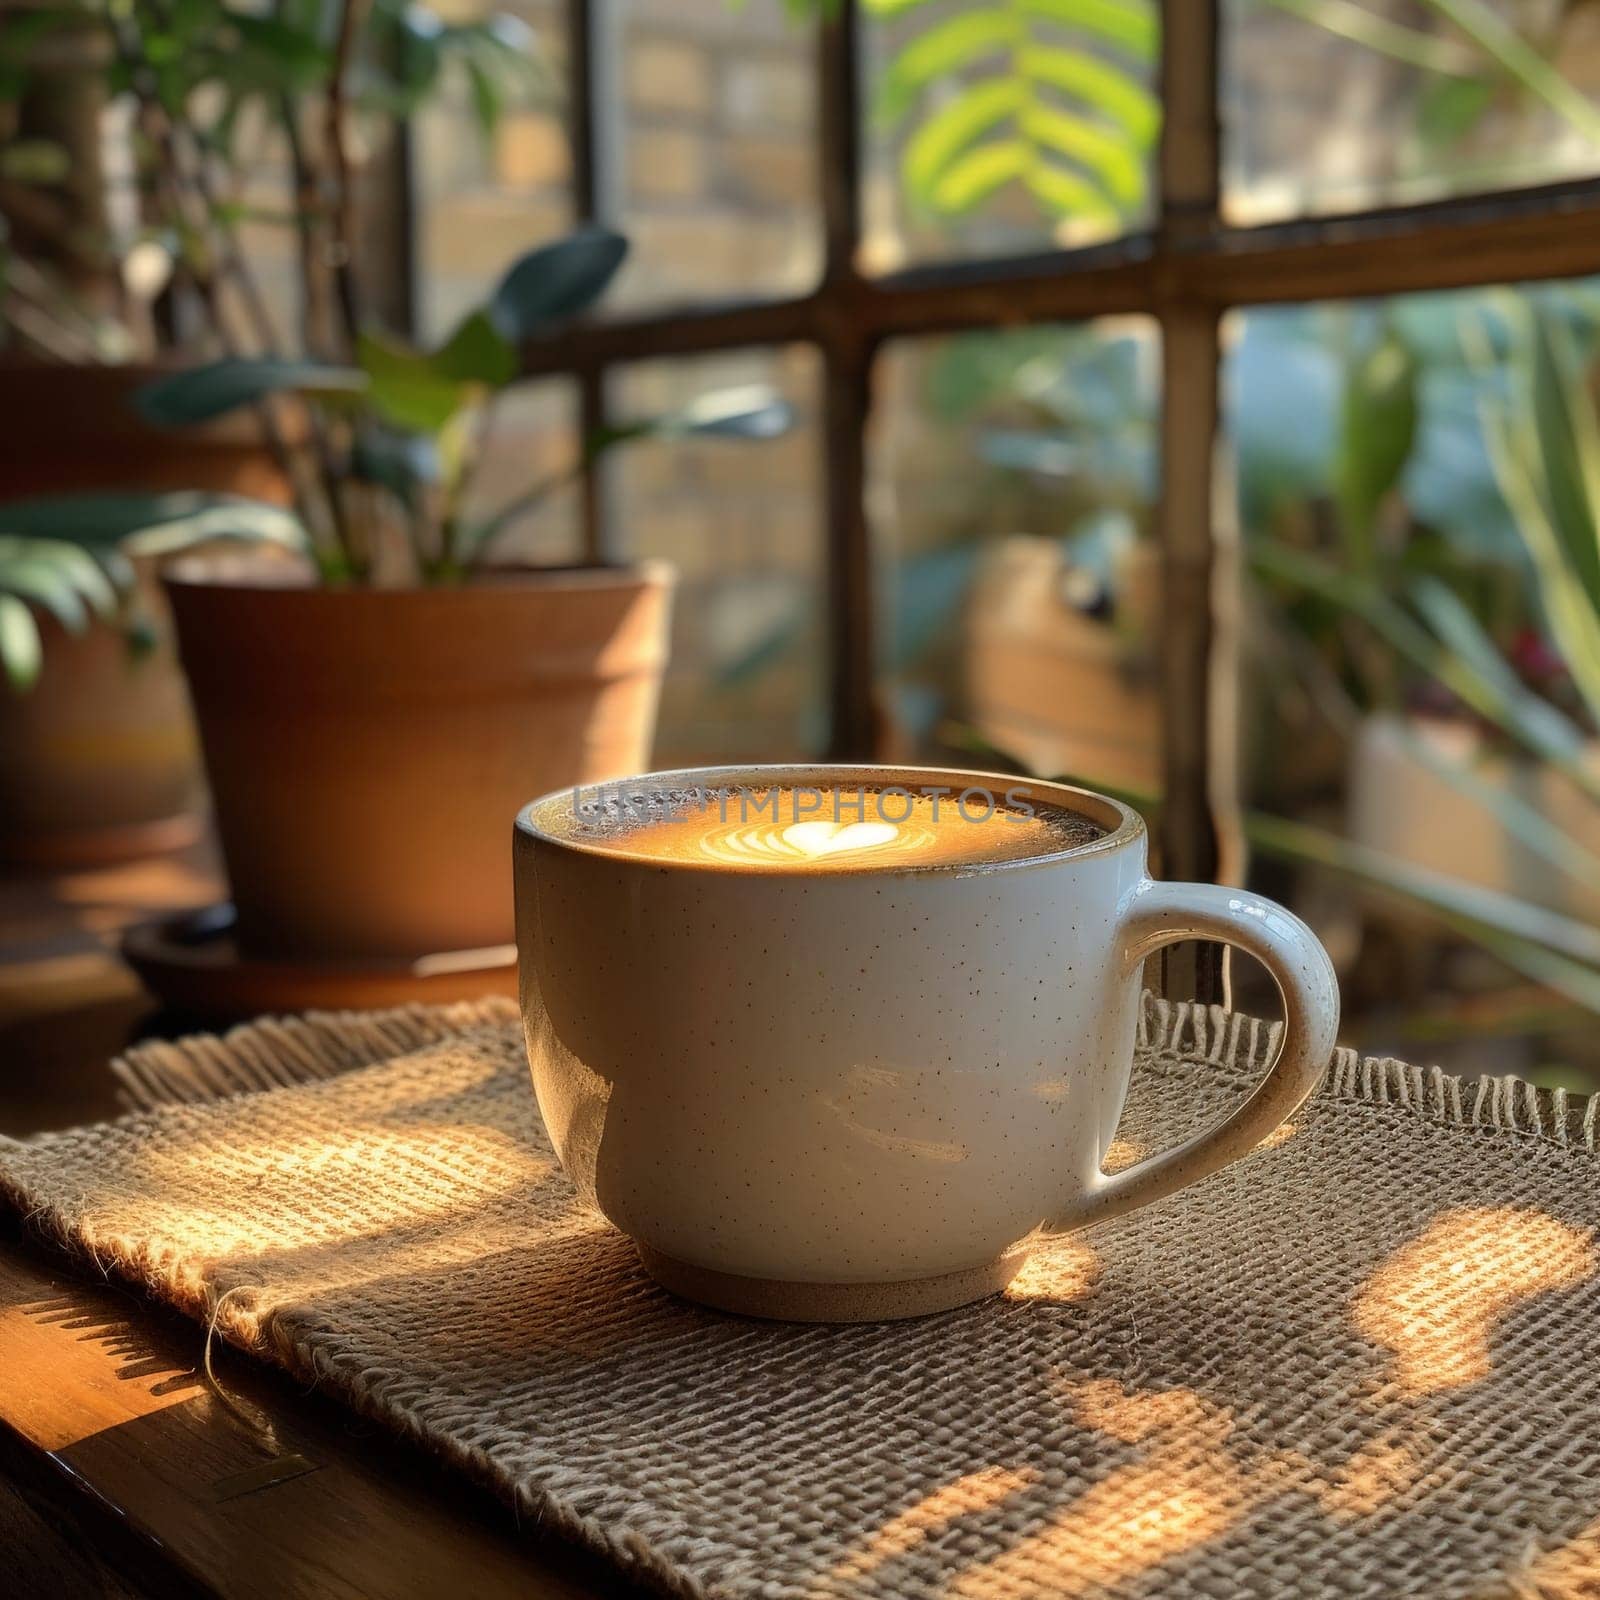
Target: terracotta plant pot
(1403,805)
(1062,691)
(98,760)
(368,749)
(70,430)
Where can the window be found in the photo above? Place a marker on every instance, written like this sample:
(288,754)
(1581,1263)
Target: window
(1120,176)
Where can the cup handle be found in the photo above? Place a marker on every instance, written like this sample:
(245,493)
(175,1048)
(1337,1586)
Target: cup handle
(1167,913)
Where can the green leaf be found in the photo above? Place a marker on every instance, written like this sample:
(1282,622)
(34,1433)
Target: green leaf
(953,160)
(43,585)
(47,573)
(1539,943)
(1566,603)
(102,522)
(1483,914)
(1568,442)
(198,394)
(1498,696)
(971,178)
(1105,89)
(1452,108)
(1454,624)
(477,353)
(1066,194)
(1133,25)
(228,517)
(1108,157)
(487,100)
(1518,59)
(508,36)
(1378,427)
(191,19)
(555,282)
(94,581)
(277,54)
(20,649)
(750,411)
(405,386)
(956,42)
(953,128)
(414,55)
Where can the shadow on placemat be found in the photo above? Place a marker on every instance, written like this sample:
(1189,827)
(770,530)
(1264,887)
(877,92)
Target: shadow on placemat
(1359,1363)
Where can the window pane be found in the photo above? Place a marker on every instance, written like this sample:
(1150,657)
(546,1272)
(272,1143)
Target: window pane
(1333,107)
(484,198)
(997,130)
(710,148)
(742,521)
(532,440)
(1420,682)
(1013,484)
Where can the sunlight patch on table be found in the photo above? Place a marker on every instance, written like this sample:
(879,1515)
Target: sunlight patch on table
(1434,1304)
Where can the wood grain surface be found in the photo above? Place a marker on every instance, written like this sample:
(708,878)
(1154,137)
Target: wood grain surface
(124,1473)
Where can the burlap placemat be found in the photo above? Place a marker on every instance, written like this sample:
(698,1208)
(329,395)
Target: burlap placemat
(1366,1361)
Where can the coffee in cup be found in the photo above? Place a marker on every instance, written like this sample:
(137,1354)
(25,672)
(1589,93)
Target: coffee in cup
(825,1061)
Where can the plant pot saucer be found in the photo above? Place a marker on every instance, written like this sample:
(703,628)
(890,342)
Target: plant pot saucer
(193,964)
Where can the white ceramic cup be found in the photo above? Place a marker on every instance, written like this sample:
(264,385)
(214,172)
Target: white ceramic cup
(849,1095)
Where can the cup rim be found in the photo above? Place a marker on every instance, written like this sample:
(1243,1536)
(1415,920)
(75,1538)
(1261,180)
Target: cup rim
(1123,825)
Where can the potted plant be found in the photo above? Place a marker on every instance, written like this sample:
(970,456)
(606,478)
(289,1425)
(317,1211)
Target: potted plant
(373,717)
(1056,633)
(105,281)
(1470,713)
(98,759)
(373,714)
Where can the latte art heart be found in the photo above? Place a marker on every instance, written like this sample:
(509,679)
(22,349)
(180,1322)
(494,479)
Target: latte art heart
(828,838)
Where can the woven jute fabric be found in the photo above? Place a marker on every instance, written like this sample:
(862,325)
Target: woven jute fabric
(1363,1362)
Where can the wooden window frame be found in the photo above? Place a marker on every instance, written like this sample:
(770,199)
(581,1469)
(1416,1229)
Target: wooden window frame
(1186,271)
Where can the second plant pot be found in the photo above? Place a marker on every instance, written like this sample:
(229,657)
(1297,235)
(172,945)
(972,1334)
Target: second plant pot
(97,758)
(368,749)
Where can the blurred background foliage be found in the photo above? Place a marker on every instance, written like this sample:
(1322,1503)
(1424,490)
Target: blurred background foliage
(1414,483)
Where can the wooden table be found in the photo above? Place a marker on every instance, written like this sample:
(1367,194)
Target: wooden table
(122,1472)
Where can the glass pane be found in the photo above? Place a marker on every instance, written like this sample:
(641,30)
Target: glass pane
(1013,480)
(997,130)
(1421,698)
(1330,106)
(532,439)
(741,520)
(711,149)
(484,198)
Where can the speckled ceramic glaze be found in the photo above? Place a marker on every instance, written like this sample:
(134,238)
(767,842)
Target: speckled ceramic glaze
(838,1095)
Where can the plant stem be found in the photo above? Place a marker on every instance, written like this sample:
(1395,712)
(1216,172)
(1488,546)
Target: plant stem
(316,323)
(1346,20)
(449,564)
(171,176)
(1520,60)
(593,449)
(352,14)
